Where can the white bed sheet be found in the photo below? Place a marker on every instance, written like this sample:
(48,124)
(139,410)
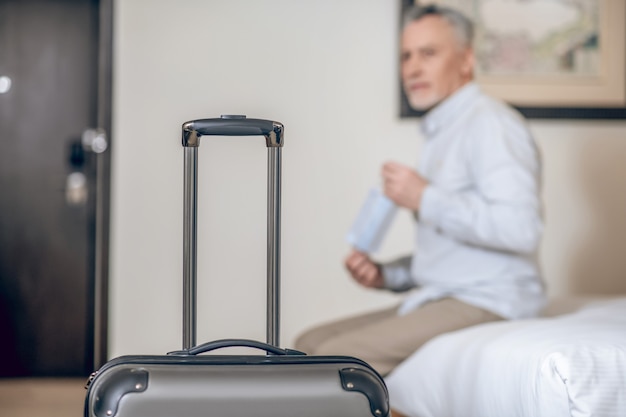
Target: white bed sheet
(571,365)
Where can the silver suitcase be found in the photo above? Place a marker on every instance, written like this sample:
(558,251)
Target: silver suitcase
(276,382)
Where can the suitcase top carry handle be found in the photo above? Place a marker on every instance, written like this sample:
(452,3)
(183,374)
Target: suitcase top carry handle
(226,343)
(233,125)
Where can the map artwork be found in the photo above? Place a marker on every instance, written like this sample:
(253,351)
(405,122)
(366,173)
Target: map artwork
(535,37)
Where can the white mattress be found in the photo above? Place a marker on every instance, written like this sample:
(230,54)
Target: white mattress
(570,365)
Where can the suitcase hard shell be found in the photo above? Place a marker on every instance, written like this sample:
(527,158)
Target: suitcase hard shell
(278,382)
(236,386)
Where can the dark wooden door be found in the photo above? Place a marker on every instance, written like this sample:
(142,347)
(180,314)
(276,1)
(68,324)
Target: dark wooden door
(49,56)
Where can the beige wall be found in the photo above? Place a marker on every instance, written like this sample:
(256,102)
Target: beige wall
(584,249)
(326,69)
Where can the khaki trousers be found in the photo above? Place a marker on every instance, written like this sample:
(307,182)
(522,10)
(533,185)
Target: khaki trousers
(384,339)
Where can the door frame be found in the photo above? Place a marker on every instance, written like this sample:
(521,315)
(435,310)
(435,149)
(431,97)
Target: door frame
(103,187)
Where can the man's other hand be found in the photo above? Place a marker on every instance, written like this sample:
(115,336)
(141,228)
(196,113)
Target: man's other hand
(363,270)
(403,185)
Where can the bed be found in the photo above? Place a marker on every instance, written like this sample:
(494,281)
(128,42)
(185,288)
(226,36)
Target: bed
(571,362)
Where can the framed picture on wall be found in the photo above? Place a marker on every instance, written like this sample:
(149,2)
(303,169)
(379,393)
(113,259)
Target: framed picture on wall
(548,58)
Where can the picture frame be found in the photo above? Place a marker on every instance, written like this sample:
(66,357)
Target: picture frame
(595,89)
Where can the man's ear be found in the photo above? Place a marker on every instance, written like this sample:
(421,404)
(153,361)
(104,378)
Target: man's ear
(467,66)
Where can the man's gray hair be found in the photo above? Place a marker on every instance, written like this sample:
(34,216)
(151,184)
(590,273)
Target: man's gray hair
(461,24)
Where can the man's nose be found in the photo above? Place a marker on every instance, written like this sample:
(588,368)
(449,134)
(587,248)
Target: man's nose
(413,66)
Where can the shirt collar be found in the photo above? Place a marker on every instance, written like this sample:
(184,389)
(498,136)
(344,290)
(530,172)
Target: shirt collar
(449,109)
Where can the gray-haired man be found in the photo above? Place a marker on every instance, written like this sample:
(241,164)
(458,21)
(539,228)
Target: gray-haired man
(475,196)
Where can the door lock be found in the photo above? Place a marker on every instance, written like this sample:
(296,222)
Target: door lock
(77,184)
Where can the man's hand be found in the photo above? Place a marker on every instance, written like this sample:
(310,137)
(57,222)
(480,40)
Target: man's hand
(403,185)
(363,270)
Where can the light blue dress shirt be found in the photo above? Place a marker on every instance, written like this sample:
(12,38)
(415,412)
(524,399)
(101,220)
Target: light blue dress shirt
(479,224)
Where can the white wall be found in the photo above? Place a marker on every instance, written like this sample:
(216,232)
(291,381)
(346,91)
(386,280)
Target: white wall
(327,70)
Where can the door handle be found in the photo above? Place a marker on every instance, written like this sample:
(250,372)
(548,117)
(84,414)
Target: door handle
(95,140)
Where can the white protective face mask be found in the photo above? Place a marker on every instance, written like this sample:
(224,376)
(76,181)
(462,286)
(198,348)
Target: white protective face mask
(372,223)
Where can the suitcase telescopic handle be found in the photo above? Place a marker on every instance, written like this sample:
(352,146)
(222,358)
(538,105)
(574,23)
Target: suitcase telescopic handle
(229,343)
(237,125)
(233,125)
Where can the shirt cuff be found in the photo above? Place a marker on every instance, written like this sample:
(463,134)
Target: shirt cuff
(397,274)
